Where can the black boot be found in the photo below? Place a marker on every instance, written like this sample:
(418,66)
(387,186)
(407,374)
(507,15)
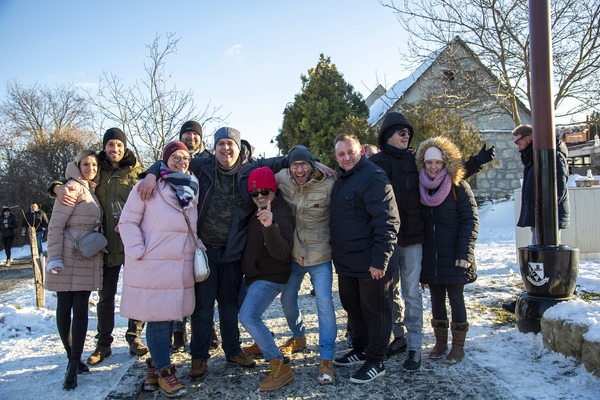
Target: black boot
(70,382)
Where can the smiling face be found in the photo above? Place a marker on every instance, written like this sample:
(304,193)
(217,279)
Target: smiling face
(400,139)
(433,167)
(227,152)
(300,171)
(262,197)
(191,139)
(179,161)
(115,150)
(89,167)
(347,153)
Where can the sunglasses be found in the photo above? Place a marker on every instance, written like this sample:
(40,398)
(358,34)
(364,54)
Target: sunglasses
(403,132)
(264,192)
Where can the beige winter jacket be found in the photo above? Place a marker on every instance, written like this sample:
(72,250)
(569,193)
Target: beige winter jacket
(78,273)
(310,204)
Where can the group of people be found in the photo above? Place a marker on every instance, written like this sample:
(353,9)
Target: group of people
(388,223)
(33,218)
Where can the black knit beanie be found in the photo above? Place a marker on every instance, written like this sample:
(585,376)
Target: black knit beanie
(301,153)
(114,133)
(190,126)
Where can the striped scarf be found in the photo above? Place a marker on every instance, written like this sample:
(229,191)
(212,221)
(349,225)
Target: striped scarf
(185,185)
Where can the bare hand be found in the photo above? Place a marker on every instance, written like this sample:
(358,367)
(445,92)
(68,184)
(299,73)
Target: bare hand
(462,263)
(328,171)
(265,216)
(117,228)
(147,187)
(66,194)
(376,273)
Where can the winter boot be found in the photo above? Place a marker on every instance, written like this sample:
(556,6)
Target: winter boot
(168,383)
(151,381)
(70,382)
(459,333)
(440,330)
(281,374)
(293,345)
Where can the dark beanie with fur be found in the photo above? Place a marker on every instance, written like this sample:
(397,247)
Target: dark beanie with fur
(114,133)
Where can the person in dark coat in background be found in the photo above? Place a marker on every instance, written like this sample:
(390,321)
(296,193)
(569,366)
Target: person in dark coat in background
(8,224)
(451,226)
(524,142)
(364,226)
(266,264)
(37,219)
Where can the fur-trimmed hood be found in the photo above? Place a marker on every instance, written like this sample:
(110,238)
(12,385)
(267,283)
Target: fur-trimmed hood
(452,157)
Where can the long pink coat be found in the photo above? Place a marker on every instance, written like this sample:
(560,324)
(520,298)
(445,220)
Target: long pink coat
(158,276)
(79,274)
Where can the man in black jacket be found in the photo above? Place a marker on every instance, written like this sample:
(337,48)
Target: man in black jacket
(364,225)
(36,218)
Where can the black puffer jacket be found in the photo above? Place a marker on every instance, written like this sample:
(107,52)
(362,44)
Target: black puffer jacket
(527,215)
(451,228)
(364,221)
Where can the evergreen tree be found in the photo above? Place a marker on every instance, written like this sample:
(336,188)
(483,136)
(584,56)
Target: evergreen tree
(326,107)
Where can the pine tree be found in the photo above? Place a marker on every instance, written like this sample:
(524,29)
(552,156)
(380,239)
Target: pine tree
(326,107)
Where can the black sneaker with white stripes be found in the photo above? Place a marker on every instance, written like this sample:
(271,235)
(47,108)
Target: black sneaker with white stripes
(350,358)
(368,372)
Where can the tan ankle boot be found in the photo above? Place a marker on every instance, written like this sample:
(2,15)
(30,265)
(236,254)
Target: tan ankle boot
(281,374)
(459,334)
(440,330)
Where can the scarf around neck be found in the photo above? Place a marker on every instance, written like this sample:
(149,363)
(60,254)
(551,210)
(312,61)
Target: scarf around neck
(184,185)
(442,182)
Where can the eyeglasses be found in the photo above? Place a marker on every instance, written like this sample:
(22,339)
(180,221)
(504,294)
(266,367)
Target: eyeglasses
(178,159)
(263,192)
(299,164)
(519,139)
(403,132)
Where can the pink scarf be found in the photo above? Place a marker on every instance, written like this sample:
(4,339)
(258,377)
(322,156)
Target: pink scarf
(442,182)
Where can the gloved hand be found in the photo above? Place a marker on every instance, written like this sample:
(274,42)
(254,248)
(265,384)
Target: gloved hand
(55,267)
(462,263)
(485,155)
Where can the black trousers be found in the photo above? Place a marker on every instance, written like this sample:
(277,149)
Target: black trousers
(455,297)
(368,303)
(72,332)
(7,241)
(106,310)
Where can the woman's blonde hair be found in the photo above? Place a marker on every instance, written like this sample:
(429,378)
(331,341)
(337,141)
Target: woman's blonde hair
(83,154)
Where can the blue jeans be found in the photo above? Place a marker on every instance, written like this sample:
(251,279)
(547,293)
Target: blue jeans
(259,297)
(158,336)
(406,280)
(222,285)
(322,280)
(39,236)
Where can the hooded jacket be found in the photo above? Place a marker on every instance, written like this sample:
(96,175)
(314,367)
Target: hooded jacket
(310,204)
(527,215)
(158,275)
(78,274)
(451,228)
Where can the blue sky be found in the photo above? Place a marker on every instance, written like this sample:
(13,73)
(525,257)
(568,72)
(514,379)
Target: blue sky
(246,56)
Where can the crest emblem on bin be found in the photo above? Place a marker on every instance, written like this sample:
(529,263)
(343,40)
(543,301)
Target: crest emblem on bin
(536,274)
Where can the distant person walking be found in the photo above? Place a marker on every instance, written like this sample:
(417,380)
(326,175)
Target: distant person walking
(8,224)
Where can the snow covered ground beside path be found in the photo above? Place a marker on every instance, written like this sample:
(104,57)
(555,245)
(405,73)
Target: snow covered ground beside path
(511,364)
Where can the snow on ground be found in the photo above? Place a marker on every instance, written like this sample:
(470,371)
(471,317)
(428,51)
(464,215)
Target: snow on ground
(32,360)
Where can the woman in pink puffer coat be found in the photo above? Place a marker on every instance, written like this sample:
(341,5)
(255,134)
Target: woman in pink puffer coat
(158,276)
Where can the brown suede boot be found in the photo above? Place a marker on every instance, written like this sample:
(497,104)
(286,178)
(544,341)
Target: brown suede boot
(281,374)
(168,383)
(151,382)
(459,333)
(440,330)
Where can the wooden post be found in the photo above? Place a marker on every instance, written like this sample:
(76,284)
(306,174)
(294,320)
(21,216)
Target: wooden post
(38,273)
